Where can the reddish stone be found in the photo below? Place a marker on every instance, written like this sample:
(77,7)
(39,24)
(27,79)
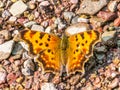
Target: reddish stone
(117,22)
(118,13)
(28,83)
(2,86)
(11,78)
(22,20)
(118,6)
(107,16)
(36,74)
(11,59)
(3,75)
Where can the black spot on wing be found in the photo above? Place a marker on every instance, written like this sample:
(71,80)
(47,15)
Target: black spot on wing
(41,35)
(46,44)
(40,44)
(36,41)
(82,35)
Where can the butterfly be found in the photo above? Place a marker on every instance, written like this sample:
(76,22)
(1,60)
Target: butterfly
(54,53)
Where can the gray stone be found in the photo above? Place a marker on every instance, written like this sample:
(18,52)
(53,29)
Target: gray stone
(3,75)
(112,6)
(59,23)
(101,49)
(24,45)
(17,51)
(118,43)
(74,20)
(29,24)
(27,71)
(37,28)
(29,67)
(61,26)
(29,63)
(80,19)
(77,28)
(44,3)
(108,35)
(48,86)
(91,6)
(68,15)
(5,13)
(100,57)
(18,8)
(97,22)
(6,49)
(12,19)
(48,29)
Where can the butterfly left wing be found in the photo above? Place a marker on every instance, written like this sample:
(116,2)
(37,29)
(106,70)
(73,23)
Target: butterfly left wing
(80,47)
(46,46)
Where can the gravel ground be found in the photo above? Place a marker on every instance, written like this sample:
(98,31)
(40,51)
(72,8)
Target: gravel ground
(18,70)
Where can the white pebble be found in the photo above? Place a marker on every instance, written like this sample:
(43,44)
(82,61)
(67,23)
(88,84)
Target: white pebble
(18,8)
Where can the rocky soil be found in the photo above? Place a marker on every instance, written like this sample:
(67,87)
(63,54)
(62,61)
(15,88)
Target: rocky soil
(18,70)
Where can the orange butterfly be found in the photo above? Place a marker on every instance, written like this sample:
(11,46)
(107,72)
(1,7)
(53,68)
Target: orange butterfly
(55,53)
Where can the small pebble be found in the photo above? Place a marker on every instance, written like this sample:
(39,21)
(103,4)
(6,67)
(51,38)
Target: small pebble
(6,49)
(83,20)
(36,14)
(48,86)
(11,77)
(118,6)
(107,35)
(29,24)
(20,79)
(105,15)
(44,3)
(37,28)
(48,29)
(29,67)
(117,22)
(19,87)
(15,10)
(32,5)
(1,4)
(6,33)
(68,15)
(3,75)
(17,62)
(12,19)
(5,14)
(22,20)
(77,28)
(74,1)
(74,20)
(114,83)
(28,83)
(113,74)
(112,6)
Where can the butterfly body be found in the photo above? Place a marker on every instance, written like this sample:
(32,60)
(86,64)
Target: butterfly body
(54,53)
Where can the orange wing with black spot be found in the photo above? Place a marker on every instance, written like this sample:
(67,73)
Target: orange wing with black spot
(79,49)
(47,47)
